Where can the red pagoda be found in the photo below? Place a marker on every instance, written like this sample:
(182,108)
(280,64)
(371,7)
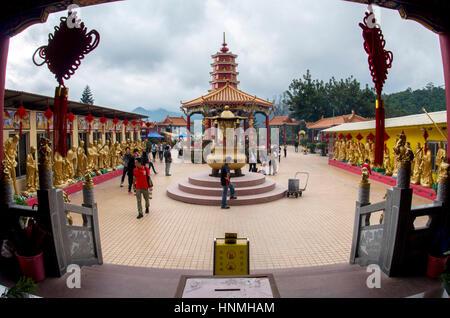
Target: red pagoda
(224,68)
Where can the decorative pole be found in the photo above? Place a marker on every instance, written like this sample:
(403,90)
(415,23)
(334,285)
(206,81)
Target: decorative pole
(379,61)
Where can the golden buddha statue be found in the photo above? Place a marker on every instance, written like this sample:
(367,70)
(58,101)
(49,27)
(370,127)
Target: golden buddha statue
(416,170)
(426,179)
(92,156)
(387,162)
(10,152)
(73,151)
(82,161)
(395,162)
(58,170)
(342,150)
(336,149)
(69,165)
(32,171)
(443,172)
(353,155)
(104,155)
(403,151)
(441,155)
(371,153)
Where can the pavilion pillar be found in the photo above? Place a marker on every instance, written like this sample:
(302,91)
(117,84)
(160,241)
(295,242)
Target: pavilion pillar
(268,132)
(245,125)
(188,133)
(444,40)
(4,47)
(312,135)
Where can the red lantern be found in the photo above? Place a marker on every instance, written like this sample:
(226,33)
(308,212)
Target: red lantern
(115,122)
(48,114)
(103,121)
(70,118)
(425,136)
(341,136)
(125,122)
(370,137)
(21,113)
(134,123)
(359,137)
(148,124)
(349,136)
(89,119)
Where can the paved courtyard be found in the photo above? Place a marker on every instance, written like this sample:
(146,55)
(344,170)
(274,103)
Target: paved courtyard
(315,229)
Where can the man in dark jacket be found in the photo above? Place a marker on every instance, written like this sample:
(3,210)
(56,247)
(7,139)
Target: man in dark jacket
(126,158)
(168,160)
(225,180)
(131,166)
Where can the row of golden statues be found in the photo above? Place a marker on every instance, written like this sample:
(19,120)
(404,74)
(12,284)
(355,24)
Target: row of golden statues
(66,170)
(421,163)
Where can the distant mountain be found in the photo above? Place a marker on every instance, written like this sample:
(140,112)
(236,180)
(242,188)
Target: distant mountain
(156,114)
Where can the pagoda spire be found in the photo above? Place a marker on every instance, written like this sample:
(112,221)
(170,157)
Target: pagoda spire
(224,68)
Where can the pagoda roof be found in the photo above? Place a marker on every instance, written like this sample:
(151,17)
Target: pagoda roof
(283,120)
(337,120)
(227,95)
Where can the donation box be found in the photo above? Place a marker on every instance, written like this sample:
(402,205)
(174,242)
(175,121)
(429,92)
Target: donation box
(231,255)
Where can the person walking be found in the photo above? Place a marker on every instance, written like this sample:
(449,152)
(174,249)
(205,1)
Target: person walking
(252,162)
(285,150)
(147,162)
(125,158)
(168,160)
(131,166)
(154,152)
(161,152)
(142,183)
(225,180)
(296,145)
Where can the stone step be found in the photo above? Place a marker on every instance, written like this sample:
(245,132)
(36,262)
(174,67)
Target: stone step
(249,179)
(187,187)
(174,192)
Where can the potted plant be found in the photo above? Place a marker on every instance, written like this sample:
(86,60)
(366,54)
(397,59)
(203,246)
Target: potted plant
(321,146)
(438,255)
(311,146)
(22,289)
(28,245)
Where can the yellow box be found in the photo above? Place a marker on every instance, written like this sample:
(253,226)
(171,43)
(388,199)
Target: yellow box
(231,259)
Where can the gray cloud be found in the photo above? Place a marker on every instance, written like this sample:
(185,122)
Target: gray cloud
(156,53)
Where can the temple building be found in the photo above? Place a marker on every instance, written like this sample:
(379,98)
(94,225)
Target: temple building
(418,128)
(328,122)
(35,124)
(173,125)
(224,68)
(282,122)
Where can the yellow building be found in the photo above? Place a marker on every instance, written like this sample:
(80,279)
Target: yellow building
(34,125)
(417,128)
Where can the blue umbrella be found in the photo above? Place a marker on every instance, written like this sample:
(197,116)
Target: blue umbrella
(182,135)
(154,134)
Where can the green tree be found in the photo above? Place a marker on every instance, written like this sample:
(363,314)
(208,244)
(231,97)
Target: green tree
(87,96)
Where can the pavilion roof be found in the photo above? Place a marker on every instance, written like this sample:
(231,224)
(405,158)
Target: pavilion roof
(227,95)
(16,16)
(337,120)
(431,14)
(37,102)
(283,120)
(439,117)
(174,121)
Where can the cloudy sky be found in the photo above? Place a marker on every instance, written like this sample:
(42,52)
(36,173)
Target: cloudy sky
(156,53)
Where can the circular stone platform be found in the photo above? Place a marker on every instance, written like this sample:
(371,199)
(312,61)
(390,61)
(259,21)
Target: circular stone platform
(201,188)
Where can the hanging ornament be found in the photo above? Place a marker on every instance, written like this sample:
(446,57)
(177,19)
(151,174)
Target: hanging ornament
(21,113)
(48,114)
(115,122)
(134,123)
(103,121)
(125,122)
(70,118)
(341,136)
(359,137)
(89,119)
(349,136)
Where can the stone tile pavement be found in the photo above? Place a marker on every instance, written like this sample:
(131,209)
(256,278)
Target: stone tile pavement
(315,229)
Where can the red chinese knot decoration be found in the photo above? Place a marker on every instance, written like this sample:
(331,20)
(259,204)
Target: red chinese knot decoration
(103,121)
(66,48)
(341,136)
(379,59)
(70,118)
(370,137)
(134,123)
(349,136)
(359,137)
(115,122)
(89,119)
(22,114)
(125,122)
